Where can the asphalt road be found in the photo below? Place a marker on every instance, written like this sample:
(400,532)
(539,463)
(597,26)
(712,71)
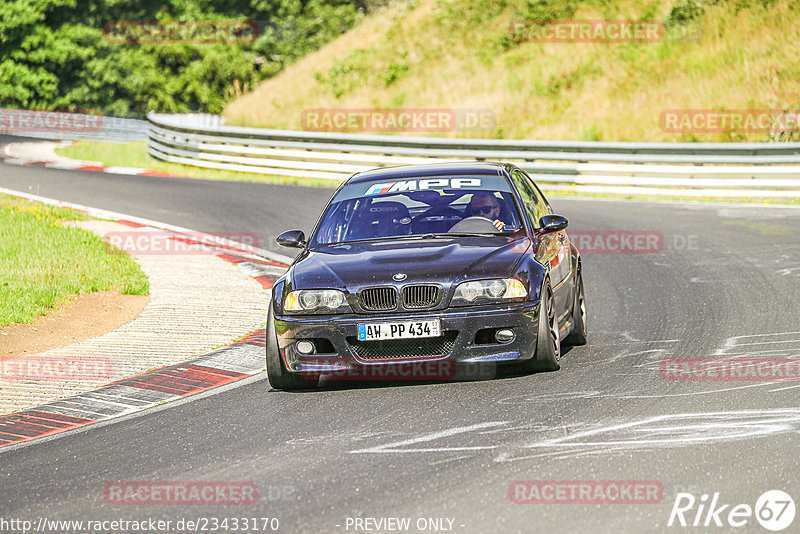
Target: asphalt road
(725,283)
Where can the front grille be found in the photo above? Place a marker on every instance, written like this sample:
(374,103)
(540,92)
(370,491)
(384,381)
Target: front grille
(404,349)
(379,299)
(421,296)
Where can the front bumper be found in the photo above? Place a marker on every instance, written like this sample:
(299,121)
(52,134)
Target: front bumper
(467,339)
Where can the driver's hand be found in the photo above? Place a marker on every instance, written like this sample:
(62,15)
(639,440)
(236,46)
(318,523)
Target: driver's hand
(499,224)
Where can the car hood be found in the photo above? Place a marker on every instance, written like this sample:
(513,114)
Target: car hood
(441,260)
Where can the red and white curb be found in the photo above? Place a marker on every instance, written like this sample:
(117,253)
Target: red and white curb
(74,165)
(238,361)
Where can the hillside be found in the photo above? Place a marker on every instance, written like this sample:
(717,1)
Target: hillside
(457,54)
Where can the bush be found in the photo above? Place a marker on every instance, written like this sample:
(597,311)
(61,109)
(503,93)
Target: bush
(55,56)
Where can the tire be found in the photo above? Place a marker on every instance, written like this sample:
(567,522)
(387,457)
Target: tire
(578,334)
(279,377)
(548,344)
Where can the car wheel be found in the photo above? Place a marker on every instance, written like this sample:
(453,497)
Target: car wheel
(279,376)
(578,334)
(548,344)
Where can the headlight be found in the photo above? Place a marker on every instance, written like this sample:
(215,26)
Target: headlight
(485,291)
(316,301)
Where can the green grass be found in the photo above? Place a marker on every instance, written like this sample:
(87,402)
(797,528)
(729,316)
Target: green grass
(43,261)
(134,154)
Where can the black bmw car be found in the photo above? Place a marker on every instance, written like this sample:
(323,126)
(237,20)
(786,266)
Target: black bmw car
(456,263)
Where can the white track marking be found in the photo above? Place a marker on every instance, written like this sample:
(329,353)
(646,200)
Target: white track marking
(392,447)
(446,460)
(757,344)
(681,429)
(693,393)
(551,397)
(665,431)
(784,388)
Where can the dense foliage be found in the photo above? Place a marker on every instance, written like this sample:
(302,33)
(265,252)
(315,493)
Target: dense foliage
(57,54)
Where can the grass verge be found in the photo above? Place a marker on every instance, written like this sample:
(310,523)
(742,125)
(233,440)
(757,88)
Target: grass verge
(134,154)
(42,261)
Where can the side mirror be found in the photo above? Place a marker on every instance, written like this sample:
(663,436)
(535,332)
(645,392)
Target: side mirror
(292,238)
(552,223)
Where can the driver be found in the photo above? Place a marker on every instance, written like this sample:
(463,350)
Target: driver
(484,204)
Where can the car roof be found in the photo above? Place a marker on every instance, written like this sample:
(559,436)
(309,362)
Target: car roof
(459,168)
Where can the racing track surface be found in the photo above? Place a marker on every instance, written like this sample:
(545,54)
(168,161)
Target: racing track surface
(727,282)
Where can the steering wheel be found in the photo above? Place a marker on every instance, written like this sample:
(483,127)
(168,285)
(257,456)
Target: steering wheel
(475,224)
(438,218)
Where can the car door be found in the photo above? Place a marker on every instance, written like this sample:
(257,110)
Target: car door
(554,247)
(548,245)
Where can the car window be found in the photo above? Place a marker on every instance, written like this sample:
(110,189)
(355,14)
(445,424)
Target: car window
(541,201)
(410,213)
(533,205)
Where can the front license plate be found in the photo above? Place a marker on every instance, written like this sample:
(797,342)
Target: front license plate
(399,330)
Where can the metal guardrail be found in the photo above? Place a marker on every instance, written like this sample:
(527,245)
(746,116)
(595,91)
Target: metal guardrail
(743,168)
(71,126)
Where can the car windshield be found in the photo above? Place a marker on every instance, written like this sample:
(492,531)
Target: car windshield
(394,210)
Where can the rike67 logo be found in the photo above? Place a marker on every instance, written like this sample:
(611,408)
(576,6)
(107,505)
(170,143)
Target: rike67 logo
(774,510)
